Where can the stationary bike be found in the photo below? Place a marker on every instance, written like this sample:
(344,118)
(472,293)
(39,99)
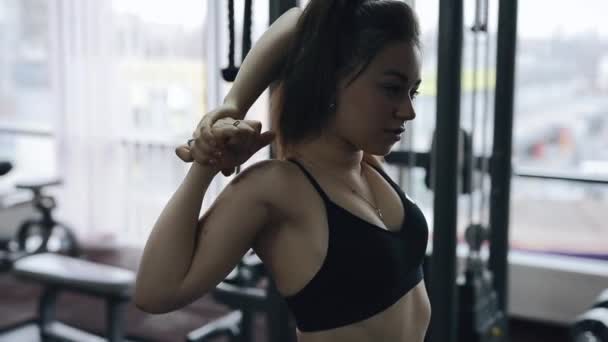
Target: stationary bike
(44,233)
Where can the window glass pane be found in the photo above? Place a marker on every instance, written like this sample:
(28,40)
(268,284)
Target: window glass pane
(561,125)
(32,156)
(27,111)
(25,77)
(160,57)
(160,49)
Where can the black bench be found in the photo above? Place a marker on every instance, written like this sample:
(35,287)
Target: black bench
(58,273)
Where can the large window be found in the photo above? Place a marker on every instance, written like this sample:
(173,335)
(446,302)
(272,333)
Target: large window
(164,52)
(27,110)
(104,105)
(561,120)
(100,93)
(561,126)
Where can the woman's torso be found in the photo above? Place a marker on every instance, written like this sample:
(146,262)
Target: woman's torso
(294,250)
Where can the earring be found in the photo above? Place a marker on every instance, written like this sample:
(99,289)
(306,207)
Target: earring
(332,106)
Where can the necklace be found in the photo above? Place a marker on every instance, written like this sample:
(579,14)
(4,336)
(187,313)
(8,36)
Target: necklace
(376,209)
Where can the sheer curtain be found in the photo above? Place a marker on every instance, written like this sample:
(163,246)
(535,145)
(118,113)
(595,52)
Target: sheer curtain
(89,120)
(133,79)
(125,88)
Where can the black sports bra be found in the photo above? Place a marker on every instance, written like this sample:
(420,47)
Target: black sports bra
(367,268)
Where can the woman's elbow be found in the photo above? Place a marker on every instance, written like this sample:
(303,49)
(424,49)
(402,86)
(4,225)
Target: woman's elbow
(152,302)
(151,306)
(159,303)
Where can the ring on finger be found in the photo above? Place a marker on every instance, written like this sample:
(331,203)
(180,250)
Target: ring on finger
(236,123)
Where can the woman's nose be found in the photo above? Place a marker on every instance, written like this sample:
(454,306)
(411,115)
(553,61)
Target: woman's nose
(406,111)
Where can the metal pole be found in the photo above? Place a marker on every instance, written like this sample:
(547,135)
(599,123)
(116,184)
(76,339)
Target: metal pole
(443,293)
(501,155)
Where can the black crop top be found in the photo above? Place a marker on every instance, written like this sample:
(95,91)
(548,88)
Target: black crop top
(367,268)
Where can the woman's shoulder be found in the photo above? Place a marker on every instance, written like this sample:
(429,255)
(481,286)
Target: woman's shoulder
(269,178)
(282,172)
(274,179)
(274,183)
(269,170)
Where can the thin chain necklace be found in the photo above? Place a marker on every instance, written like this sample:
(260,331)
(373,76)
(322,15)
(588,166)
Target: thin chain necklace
(376,209)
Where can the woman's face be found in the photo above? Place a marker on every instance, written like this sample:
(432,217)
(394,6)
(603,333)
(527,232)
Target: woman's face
(372,110)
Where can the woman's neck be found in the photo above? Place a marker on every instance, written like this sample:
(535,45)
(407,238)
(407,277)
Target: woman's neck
(333,154)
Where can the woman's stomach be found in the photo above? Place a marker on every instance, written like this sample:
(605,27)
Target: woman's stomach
(405,321)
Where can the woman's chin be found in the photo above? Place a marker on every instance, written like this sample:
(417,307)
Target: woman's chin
(379,150)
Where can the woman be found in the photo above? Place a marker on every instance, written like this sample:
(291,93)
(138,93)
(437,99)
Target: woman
(341,240)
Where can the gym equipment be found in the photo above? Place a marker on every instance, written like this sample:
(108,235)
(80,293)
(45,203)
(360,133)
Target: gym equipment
(480,316)
(59,273)
(592,325)
(229,73)
(464,150)
(237,291)
(479,301)
(5,167)
(44,234)
(240,292)
(28,259)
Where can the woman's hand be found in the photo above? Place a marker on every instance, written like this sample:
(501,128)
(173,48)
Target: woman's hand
(235,142)
(203,133)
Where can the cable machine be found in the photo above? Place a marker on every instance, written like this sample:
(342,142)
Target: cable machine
(470,307)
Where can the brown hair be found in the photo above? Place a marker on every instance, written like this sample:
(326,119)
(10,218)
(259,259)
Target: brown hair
(333,38)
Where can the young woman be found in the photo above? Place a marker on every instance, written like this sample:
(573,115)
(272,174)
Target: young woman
(342,241)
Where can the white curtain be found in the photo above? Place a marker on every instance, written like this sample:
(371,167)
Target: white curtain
(89,123)
(131,85)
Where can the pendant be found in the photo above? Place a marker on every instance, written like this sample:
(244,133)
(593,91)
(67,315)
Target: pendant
(380,214)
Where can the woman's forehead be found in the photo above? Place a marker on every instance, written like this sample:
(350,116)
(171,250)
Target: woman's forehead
(397,59)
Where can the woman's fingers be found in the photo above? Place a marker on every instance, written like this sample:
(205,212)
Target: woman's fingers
(224,131)
(225,111)
(206,141)
(264,139)
(183,152)
(230,135)
(198,150)
(256,125)
(206,132)
(224,139)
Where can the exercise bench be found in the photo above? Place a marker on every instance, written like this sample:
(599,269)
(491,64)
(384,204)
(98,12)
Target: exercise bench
(59,273)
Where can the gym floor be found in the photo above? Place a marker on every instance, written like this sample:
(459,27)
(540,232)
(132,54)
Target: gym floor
(18,302)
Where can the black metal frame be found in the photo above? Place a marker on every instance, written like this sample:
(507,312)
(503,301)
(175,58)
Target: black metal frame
(445,181)
(502,149)
(442,292)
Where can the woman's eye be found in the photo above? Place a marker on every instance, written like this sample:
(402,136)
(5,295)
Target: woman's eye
(393,90)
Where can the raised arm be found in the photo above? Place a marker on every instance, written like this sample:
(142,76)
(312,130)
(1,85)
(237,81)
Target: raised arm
(263,62)
(259,69)
(185,257)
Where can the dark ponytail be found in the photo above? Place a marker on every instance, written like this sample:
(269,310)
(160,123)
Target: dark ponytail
(332,39)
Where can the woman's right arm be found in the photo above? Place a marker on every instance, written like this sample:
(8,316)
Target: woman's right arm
(259,69)
(186,257)
(263,62)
